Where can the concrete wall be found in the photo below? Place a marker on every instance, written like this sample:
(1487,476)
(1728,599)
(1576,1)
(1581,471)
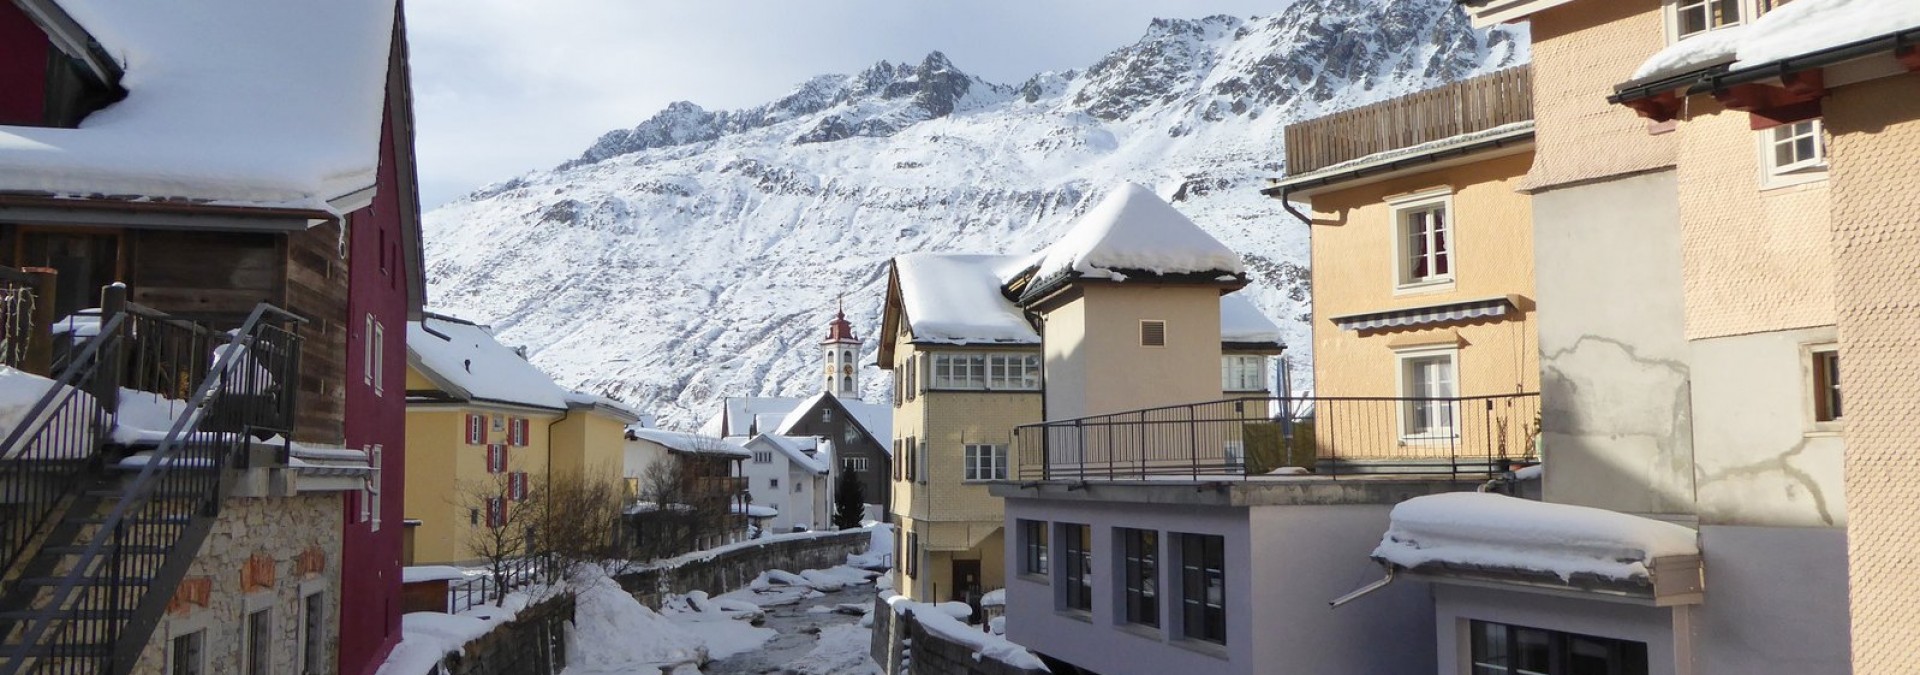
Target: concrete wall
(1761,459)
(278,533)
(1665,631)
(1614,387)
(1303,558)
(1356,270)
(738,564)
(1086,336)
(1776,601)
(1875,133)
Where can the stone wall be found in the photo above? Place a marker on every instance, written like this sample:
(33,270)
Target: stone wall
(533,643)
(736,565)
(902,647)
(262,554)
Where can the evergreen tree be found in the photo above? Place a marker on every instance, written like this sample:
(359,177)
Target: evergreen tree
(849,502)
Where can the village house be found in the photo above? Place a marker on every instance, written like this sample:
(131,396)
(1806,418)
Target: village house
(218,247)
(701,503)
(493,428)
(1824,90)
(793,475)
(1692,425)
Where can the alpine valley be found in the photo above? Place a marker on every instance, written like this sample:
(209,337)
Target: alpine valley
(701,253)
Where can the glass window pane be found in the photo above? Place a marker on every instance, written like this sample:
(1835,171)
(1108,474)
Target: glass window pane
(1532,651)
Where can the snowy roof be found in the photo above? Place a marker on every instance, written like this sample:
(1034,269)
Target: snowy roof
(756,510)
(1492,531)
(794,447)
(697,444)
(739,412)
(228,101)
(876,419)
(1795,29)
(956,299)
(466,361)
(1241,321)
(1135,230)
(581,399)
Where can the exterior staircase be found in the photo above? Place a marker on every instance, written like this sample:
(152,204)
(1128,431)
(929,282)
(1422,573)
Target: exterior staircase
(99,523)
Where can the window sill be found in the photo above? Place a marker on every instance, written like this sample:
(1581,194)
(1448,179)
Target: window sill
(1030,577)
(1770,182)
(1075,614)
(1826,429)
(1213,649)
(1424,288)
(1142,630)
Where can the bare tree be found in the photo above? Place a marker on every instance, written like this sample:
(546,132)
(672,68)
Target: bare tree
(662,522)
(579,519)
(503,527)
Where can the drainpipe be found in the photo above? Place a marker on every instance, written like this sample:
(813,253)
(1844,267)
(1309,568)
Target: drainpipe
(1363,590)
(1288,205)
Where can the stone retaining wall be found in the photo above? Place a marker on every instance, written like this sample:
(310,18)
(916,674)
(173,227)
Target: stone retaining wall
(533,643)
(736,566)
(902,647)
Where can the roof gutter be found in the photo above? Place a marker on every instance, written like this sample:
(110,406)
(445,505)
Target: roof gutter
(1711,79)
(1281,189)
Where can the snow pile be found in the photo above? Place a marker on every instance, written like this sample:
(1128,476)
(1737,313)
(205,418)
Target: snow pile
(615,633)
(842,650)
(233,101)
(994,598)
(428,637)
(1794,29)
(721,632)
(835,579)
(755,510)
(20,391)
(879,551)
(941,620)
(1134,230)
(709,554)
(956,299)
(422,573)
(1497,531)
(467,359)
(1242,321)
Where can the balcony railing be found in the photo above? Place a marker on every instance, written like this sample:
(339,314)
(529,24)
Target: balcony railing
(1279,438)
(1463,107)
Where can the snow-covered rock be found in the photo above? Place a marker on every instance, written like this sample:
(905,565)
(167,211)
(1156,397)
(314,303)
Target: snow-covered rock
(699,254)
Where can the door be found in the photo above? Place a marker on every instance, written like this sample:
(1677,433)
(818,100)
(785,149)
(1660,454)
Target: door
(966,582)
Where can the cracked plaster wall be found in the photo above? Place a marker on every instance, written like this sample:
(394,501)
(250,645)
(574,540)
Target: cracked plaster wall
(1759,459)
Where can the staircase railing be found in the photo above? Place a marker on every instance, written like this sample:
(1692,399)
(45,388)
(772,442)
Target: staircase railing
(119,577)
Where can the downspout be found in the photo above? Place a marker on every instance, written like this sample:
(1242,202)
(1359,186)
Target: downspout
(583,458)
(1288,205)
(1363,590)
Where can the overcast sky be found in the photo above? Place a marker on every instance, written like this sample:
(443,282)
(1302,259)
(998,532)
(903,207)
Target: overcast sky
(505,86)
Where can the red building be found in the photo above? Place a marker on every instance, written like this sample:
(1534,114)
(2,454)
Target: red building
(277,193)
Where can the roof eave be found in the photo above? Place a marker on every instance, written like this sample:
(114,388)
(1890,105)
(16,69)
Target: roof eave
(1313,183)
(1718,76)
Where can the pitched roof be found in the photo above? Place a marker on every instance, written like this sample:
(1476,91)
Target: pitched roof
(956,298)
(793,448)
(228,101)
(739,414)
(876,419)
(1242,322)
(1134,231)
(696,444)
(466,361)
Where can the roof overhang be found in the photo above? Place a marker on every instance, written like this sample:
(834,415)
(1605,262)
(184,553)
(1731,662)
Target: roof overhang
(1670,581)
(623,414)
(43,210)
(1064,288)
(1429,315)
(1489,12)
(1787,90)
(1440,155)
(1262,348)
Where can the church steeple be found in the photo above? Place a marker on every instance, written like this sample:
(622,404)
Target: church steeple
(841,352)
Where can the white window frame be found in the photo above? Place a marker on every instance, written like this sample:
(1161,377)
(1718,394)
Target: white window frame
(256,603)
(366,350)
(854,463)
(984,462)
(1243,372)
(1013,371)
(197,620)
(1747,10)
(1409,410)
(308,590)
(960,371)
(375,457)
(1403,207)
(763,456)
(1775,174)
(378,344)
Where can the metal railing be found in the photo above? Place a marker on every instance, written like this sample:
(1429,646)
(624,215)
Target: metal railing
(26,313)
(493,586)
(1259,437)
(117,534)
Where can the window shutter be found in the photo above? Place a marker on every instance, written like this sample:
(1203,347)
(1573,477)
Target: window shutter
(373,486)
(496,512)
(496,458)
(1153,333)
(473,429)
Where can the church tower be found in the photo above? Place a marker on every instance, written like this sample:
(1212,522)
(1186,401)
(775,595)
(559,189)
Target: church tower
(842,352)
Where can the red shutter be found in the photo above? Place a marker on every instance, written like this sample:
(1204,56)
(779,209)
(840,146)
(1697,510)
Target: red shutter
(496,458)
(517,486)
(473,429)
(496,512)
(518,430)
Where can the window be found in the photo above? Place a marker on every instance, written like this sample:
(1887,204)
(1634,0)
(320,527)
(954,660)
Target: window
(1794,149)
(1770,5)
(1203,587)
(496,458)
(1140,571)
(763,456)
(517,432)
(798,487)
(187,654)
(496,512)
(1424,232)
(899,386)
(1826,384)
(371,500)
(986,462)
(517,486)
(313,637)
(499,422)
(959,371)
(913,376)
(1427,389)
(850,435)
(920,456)
(854,463)
(476,429)
(1500,649)
(1243,373)
(826,416)
(1076,566)
(909,464)
(1693,17)
(1153,333)
(913,554)
(259,642)
(372,356)
(1033,537)
(1013,372)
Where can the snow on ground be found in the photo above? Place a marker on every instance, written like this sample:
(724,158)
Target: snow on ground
(615,634)
(842,650)
(722,633)
(947,620)
(828,636)
(427,637)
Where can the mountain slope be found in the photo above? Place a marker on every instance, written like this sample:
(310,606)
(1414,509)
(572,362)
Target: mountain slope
(699,254)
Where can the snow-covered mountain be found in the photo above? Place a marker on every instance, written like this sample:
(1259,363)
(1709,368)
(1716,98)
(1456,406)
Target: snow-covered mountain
(700,254)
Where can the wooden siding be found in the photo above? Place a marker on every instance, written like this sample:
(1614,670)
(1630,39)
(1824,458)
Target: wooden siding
(1464,107)
(316,288)
(218,276)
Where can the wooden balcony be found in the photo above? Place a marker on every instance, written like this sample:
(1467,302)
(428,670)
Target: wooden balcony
(1464,107)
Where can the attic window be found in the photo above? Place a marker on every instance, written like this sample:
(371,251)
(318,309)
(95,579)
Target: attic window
(1153,333)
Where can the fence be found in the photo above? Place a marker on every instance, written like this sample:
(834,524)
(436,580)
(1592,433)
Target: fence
(489,588)
(1463,107)
(1244,438)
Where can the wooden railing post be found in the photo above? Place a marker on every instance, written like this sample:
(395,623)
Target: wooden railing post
(39,356)
(106,382)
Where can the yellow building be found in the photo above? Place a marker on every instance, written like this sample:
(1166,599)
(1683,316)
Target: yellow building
(968,369)
(484,428)
(1423,264)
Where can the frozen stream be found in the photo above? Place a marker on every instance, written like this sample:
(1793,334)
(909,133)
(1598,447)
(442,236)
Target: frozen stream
(800,626)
